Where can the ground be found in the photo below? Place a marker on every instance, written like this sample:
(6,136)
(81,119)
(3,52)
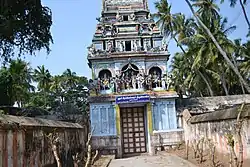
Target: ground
(221,160)
(166,160)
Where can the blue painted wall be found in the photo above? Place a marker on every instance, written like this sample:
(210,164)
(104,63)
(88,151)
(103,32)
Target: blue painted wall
(164,115)
(103,120)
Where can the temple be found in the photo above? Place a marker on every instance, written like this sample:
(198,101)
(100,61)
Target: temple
(132,109)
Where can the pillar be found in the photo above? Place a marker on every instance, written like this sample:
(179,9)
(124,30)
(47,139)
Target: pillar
(118,131)
(150,128)
(93,72)
(118,120)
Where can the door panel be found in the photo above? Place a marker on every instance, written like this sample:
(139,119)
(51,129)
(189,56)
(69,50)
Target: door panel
(133,130)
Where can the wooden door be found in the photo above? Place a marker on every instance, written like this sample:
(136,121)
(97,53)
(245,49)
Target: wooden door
(133,130)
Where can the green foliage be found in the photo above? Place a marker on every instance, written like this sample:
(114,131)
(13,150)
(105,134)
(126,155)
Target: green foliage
(5,89)
(63,94)
(15,83)
(25,27)
(200,69)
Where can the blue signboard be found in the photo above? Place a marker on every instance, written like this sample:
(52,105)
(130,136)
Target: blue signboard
(132,99)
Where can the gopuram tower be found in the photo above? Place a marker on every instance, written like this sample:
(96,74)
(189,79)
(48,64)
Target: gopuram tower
(130,104)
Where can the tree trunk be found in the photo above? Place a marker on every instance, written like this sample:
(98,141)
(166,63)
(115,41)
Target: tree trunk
(178,45)
(224,85)
(242,88)
(56,155)
(88,162)
(207,83)
(239,137)
(235,69)
(187,149)
(241,84)
(245,14)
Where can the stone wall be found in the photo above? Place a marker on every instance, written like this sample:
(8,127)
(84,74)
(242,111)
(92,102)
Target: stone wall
(207,104)
(198,127)
(24,141)
(107,145)
(166,140)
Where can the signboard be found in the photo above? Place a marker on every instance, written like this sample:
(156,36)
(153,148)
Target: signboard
(132,99)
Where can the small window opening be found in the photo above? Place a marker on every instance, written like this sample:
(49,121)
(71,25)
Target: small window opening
(128,45)
(125,18)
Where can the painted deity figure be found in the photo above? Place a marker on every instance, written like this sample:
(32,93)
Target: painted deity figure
(91,50)
(98,85)
(120,46)
(113,30)
(136,45)
(164,46)
(140,81)
(159,80)
(133,81)
(112,84)
(118,17)
(149,82)
(127,80)
(168,82)
(105,82)
(123,85)
(163,83)
(132,16)
(155,79)
(110,46)
(147,46)
(117,84)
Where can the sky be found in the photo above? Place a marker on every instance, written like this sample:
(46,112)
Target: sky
(74,24)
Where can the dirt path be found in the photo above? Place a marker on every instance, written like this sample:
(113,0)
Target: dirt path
(151,161)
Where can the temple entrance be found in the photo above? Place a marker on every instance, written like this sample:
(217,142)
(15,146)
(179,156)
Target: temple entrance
(133,130)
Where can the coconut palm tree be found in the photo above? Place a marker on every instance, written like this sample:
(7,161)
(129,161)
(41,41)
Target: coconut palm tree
(246,64)
(21,78)
(43,77)
(179,73)
(166,21)
(56,84)
(220,49)
(208,11)
(69,79)
(184,27)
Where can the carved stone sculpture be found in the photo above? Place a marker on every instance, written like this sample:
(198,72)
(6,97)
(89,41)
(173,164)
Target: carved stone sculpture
(149,16)
(110,46)
(132,17)
(163,83)
(164,46)
(147,46)
(136,45)
(149,82)
(120,46)
(140,81)
(118,17)
(113,30)
(98,85)
(91,50)
(134,81)
(155,79)
(117,84)
(112,84)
